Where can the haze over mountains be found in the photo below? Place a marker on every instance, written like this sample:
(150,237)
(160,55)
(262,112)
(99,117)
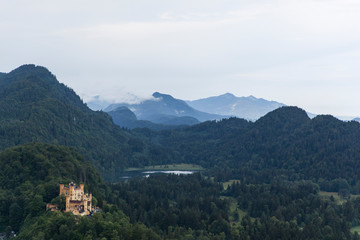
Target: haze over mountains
(166,110)
(250,108)
(97,103)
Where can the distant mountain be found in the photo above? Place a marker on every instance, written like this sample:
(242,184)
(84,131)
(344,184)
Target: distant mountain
(124,117)
(35,107)
(250,108)
(164,109)
(97,103)
(356,119)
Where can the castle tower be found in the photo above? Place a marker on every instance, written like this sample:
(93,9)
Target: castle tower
(77,201)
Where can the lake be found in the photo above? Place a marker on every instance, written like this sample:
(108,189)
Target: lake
(142,173)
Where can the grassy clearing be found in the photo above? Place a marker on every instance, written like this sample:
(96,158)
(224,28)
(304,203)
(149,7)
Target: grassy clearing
(170,167)
(338,199)
(328,195)
(355,229)
(228,183)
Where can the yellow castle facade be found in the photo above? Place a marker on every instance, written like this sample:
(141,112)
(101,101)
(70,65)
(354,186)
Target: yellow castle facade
(77,202)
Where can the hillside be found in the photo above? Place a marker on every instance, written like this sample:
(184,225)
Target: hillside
(284,142)
(164,109)
(29,178)
(250,108)
(34,171)
(35,107)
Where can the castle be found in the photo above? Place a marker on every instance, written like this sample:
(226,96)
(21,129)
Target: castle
(77,201)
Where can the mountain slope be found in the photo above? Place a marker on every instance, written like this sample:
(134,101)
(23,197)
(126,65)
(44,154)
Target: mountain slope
(124,117)
(35,107)
(243,107)
(162,107)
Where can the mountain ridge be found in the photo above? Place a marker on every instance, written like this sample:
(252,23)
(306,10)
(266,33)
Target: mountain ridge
(124,117)
(164,105)
(250,107)
(284,142)
(35,107)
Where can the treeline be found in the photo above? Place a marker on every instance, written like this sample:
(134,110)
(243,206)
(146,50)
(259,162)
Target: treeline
(196,207)
(293,210)
(170,202)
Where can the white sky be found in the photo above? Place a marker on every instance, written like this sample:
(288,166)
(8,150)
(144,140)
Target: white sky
(298,52)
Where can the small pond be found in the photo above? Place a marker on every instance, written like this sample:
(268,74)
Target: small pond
(142,173)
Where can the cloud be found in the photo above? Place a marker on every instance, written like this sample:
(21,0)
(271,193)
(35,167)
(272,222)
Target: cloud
(189,48)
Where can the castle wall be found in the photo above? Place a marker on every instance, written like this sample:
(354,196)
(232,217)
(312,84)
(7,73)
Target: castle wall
(76,201)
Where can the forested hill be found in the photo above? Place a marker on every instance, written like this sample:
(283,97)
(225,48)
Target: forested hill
(29,178)
(30,84)
(35,107)
(32,172)
(285,142)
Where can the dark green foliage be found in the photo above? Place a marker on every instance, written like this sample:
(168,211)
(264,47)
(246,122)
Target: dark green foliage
(110,224)
(35,107)
(163,206)
(192,207)
(291,212)
(283,143)
(30,176)
(172,201)
(60,201)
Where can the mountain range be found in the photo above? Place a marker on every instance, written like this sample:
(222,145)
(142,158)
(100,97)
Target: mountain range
(250,108)
(124,117)
(164,109)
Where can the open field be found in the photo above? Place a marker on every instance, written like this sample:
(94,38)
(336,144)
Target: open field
(355,229)
(338,199)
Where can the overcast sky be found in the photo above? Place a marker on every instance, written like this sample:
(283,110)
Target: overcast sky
(304,53)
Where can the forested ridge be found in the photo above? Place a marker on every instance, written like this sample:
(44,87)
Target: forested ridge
(35,107)
(285,142)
